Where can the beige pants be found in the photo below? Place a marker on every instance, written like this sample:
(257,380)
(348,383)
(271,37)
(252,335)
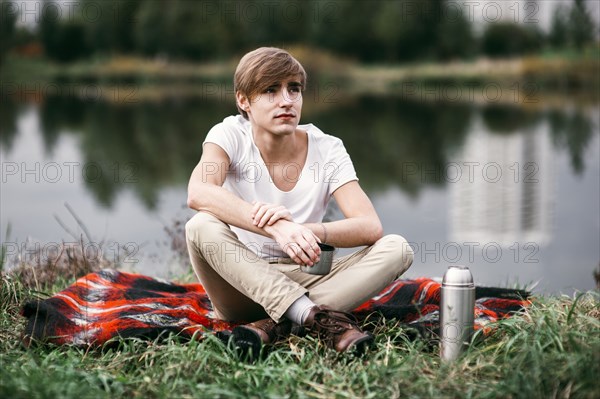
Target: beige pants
(245,287)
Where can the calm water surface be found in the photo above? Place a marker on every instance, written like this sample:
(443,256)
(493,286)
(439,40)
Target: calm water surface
(513,193)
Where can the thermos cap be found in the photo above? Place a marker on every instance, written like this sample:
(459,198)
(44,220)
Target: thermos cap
(458,276)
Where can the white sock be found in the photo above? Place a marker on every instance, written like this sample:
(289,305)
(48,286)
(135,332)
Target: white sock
(299,310)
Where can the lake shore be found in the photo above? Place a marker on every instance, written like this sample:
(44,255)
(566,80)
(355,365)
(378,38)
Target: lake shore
(531,81)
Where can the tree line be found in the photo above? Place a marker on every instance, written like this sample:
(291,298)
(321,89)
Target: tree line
(367,31)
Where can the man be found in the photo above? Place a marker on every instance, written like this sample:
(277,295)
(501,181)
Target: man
(261,189)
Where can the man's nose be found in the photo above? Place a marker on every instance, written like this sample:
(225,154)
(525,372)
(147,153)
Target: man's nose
(284,99)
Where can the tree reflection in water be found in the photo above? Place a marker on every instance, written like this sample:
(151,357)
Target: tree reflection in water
(148,146)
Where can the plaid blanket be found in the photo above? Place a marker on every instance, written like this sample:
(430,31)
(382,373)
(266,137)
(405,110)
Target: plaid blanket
(109,304)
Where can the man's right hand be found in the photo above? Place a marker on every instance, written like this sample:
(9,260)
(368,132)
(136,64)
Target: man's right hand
(265,213)
(296,240)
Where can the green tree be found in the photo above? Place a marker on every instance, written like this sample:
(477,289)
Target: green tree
(184,29)
(279,23)
(572,26)
(558,36)
(581,25)
(348,27)
(402,33)
(8,20)
(112,28)
(506,39)
(63,40)
(454,35)
(427,29)
(149,29)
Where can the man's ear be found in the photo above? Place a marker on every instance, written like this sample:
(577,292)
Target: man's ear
(242,101)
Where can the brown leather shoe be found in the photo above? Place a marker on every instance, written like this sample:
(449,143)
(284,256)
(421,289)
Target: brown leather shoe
(339,330)
(262,332)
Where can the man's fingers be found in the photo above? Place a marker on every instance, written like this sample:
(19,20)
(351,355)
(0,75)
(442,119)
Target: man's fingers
(310,252)
(298,255)
(312,248)
(260,213)
(294,252)
(265,218)
(281,214)
(255,207)
(307,251)
(268,216)
(274,214)
(265,213)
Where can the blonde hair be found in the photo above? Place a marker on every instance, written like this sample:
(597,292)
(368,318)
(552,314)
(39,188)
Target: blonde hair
(262,68)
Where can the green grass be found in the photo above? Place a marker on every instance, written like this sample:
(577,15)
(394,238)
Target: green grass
(552,350)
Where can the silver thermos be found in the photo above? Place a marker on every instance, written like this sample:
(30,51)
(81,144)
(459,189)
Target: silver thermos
(456,311)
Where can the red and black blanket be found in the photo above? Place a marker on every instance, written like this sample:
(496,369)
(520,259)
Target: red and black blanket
(108,304)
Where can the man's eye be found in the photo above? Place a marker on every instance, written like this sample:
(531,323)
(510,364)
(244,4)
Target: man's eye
(295,89)
(270,90)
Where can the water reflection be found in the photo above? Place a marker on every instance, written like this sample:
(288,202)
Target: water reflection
(502,188)
(145,146)
(9,112)
(398,143)
(466,173)
(573,130)
(507,119)
(392,142)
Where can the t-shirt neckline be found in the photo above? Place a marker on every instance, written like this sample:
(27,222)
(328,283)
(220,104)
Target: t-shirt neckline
(264,164)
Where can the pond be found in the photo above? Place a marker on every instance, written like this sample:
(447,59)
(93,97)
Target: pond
(510,190)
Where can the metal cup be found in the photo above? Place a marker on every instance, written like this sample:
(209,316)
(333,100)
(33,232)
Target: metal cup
(323,266)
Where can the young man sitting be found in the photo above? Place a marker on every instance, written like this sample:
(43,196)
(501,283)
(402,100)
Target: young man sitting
(261,189)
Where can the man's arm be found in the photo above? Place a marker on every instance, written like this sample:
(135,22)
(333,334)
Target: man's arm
(205,193)
(361,225)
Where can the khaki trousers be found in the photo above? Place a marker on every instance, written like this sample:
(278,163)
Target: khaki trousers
(245,287)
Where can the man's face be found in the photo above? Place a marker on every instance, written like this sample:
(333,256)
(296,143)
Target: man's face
(277,109)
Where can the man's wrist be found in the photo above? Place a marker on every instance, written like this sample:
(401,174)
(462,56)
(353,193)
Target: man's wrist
(271,229)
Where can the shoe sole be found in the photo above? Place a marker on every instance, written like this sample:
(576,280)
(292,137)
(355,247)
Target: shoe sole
(360,346)
(246,341)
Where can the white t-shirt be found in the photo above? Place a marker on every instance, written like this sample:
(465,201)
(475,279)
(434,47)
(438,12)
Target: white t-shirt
(327,167)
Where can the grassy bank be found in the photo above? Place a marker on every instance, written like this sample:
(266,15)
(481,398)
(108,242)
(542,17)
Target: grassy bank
(552,350)
(564,72)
